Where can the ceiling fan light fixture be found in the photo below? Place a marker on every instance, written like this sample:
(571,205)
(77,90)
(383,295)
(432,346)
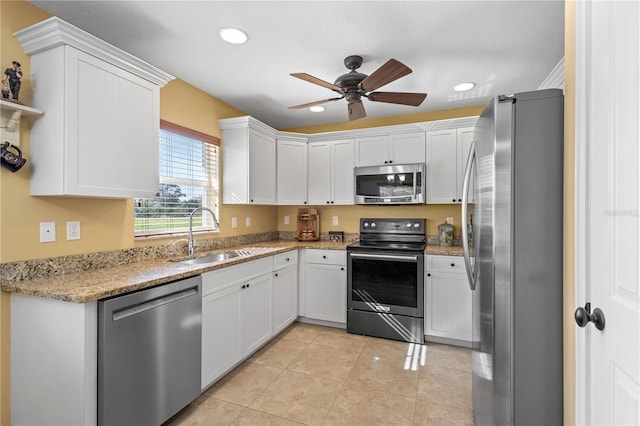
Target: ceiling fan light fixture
(463,87)
(316,109)
(233,35)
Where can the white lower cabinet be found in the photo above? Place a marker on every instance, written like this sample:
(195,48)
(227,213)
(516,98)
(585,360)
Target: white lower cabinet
(237,315)
(285,290)
(325,285)
(448,300)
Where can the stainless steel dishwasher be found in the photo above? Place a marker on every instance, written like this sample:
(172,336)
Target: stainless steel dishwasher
(149,353)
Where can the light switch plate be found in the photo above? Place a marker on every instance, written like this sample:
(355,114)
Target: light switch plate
(234,222)
(286,220)
(335,220)
(73,230)
(247,221)
(47,232)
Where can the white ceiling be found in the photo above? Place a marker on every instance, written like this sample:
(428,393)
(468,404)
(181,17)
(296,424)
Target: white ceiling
(503,46)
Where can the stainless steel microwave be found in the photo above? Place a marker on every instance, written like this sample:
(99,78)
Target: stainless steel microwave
(395,184)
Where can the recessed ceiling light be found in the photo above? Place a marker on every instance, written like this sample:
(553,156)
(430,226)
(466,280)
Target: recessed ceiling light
(463,87)
(233,35)
(316,109)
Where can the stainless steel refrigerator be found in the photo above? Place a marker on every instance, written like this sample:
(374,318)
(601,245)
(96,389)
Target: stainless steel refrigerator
(514,262)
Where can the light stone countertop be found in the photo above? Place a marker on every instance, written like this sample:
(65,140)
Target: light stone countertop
(95,284)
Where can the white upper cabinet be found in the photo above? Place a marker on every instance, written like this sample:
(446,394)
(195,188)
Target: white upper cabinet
(447,152)
(291,161)
(400,148)
(248,162)
(331,172)
(99,135)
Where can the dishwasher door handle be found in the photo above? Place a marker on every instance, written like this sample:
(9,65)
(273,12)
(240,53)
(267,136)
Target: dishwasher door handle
(153,303)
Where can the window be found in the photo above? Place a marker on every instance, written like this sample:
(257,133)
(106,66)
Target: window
(188,179)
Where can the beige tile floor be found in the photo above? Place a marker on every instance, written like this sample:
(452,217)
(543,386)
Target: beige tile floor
(324,376)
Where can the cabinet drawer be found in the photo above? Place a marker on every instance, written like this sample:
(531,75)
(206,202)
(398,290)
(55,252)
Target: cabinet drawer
(450,264)
(218,279)
(283,260)
(329,257)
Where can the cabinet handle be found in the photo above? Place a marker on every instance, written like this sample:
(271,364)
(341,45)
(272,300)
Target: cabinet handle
(276,274)
(324,257)
(428,275)
(244,286)
(327,202)
(454,200)
(251,201)
(459,200)
(342,268)
(453,264)
(386,162)
(332,202)
(287,259)
(305,202)
(390,161)
(248,285)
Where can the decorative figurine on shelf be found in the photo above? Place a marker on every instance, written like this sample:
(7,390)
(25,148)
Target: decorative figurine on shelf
(13,76)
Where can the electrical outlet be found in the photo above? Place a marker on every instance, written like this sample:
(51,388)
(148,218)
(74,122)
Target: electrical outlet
(286,220)
(73,230)
(449,220)
(335,220)
(47,232)
(234,222)
(247,221)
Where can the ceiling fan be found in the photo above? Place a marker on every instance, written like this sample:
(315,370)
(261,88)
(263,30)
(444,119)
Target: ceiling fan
(354,85)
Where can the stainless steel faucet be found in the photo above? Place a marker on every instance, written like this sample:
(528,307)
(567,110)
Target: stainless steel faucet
(192,244)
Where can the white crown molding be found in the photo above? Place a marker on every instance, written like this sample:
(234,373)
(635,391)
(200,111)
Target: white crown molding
(555,79)
(253,123)
(54,32)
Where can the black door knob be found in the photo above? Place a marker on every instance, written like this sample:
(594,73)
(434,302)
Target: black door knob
(583,316)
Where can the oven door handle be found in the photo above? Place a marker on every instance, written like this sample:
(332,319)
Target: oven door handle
(384,256)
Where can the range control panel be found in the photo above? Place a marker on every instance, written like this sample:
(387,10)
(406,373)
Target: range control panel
(393,226)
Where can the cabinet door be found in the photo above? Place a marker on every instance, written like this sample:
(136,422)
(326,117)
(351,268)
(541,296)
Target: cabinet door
(319,183)
(292,172)
(221,333)
(326,292)
(448,312)
(111,131)
(408,148)
(465,137)
(372,151)
(342,172)
(441,167)
(257,313)
(262,168)
(285,297)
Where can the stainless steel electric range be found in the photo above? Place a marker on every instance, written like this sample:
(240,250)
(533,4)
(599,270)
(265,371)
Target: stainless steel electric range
(386,280)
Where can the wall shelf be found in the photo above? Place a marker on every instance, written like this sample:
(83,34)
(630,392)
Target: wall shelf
(11,113)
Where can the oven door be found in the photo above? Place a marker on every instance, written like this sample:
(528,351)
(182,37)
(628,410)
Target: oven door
(386,281)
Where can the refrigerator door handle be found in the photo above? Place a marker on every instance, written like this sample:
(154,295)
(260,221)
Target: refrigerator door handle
(471,271)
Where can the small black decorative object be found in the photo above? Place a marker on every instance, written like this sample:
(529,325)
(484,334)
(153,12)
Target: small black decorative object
(11,80)
(11,160)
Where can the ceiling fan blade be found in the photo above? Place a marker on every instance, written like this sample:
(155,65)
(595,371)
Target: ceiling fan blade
(310,104)
(356,110)
(316,80)
(403,98)
(390,71)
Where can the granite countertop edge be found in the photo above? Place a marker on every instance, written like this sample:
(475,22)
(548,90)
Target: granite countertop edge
(93,285)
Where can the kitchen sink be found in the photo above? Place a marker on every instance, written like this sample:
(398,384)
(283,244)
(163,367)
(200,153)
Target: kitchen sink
(212,258)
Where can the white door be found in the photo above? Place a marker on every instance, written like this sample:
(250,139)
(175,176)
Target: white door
(291,160)
(257,313)
(608,193)
(408,148)
(319,169)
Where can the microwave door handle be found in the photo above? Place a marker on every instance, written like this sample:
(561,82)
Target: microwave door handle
(415,185)
(471,271)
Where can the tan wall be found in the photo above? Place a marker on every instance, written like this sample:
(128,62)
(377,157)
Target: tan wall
(569,213)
